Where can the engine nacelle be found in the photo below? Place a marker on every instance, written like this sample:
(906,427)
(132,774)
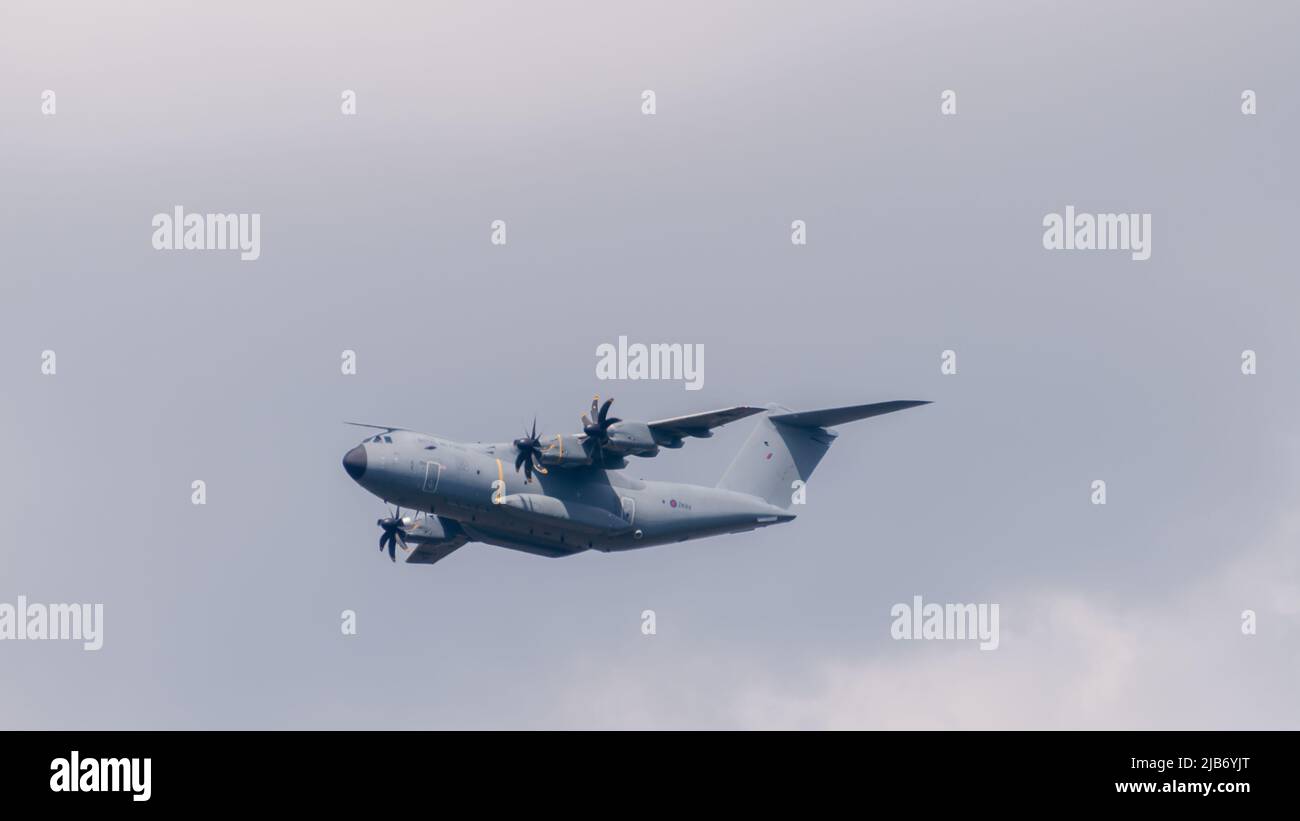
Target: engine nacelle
(633,438)
(434,530)
(564,450)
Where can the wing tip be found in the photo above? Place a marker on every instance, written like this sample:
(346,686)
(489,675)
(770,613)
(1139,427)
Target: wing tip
(373,427)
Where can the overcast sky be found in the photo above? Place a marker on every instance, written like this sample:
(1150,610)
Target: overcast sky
(924,234)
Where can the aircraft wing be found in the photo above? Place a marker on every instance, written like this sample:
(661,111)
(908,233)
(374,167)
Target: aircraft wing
(699,424)
(434,539)
(430,553)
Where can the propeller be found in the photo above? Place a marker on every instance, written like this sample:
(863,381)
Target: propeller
(394,528)
(530,454)
(597,426)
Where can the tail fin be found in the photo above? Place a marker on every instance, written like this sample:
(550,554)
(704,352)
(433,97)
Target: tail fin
(785,447)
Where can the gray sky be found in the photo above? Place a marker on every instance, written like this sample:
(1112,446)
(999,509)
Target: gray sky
(924,235)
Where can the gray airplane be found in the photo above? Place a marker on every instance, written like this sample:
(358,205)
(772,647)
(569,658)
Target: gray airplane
(562,494)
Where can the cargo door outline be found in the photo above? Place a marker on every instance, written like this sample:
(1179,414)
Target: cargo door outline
(432,474)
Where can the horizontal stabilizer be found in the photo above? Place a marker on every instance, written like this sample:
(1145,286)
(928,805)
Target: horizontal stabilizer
(830,417)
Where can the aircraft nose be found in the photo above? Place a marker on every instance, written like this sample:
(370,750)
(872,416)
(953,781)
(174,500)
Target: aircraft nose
(354,461)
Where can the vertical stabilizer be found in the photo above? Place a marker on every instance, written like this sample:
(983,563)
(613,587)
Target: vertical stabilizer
(786,447)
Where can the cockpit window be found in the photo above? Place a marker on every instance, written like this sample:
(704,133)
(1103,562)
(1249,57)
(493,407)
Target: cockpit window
(388,439)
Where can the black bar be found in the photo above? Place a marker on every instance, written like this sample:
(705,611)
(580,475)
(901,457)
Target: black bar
(429,769)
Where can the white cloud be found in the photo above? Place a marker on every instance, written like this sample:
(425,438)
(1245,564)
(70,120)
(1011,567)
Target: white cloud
(1067,660)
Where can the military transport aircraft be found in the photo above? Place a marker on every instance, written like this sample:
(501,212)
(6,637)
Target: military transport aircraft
(562,494)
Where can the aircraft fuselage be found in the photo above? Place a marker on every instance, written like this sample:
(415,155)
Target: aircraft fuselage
(563,512)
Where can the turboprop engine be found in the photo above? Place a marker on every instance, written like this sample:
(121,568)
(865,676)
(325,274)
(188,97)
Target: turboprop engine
(564,450)
(631,439)
(434,530)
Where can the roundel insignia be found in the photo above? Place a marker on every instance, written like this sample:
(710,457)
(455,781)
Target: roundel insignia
(672,503)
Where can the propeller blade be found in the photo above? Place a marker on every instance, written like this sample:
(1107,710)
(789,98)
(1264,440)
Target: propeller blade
(394,532)
(519,460)
(604,410)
